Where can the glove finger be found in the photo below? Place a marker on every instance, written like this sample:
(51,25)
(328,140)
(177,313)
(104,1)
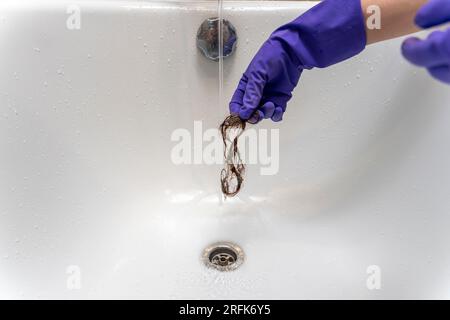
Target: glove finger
(441,73)
(240,90)
(252,96)
(278,114)
(433,13)
(268,109)
(426,53)
(236,101)
(256,117)
(235,108)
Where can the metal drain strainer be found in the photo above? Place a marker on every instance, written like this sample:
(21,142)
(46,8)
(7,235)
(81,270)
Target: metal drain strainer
(223,256)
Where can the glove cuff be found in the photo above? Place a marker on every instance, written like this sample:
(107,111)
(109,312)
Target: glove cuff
(330,32)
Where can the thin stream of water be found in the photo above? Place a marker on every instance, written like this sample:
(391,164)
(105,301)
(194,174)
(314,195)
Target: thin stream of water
(220,36)
(220,94)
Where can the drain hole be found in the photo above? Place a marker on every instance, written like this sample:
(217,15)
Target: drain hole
(223,256)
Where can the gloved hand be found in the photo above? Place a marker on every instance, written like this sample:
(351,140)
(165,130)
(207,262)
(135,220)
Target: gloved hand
(434,52)
(328,33)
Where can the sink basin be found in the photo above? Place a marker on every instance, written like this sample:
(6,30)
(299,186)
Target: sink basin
(92,205)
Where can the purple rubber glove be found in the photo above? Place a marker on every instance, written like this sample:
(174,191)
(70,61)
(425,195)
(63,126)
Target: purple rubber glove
(328,33)
(434,52)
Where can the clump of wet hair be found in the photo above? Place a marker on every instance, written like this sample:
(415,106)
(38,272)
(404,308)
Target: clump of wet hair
(232,175)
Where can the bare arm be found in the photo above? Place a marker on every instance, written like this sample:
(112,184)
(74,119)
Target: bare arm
(396,17)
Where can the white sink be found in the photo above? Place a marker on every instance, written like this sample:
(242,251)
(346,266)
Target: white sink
(91,205)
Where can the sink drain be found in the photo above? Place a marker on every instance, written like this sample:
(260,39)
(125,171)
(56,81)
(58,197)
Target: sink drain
(223,256)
